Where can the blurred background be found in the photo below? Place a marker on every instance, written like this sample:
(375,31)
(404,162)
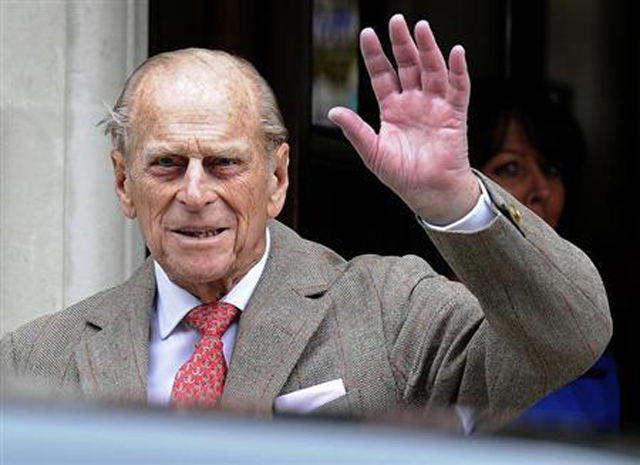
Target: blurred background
(63,237)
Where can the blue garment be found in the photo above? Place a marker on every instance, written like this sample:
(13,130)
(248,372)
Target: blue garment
(591,402)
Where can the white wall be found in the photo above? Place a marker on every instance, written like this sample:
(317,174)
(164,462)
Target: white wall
(62,236)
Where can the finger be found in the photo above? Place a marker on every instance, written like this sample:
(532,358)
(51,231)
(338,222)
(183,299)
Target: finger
(360,134)
(383,77)
(434,71)
(459,82)
(405,53)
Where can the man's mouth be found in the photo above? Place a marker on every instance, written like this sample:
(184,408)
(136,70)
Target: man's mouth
(199,233)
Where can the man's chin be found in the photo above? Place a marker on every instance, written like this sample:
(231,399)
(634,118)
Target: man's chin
(190,275)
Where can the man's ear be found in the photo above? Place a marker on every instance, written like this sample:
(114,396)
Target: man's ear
(121,184)
(279,180)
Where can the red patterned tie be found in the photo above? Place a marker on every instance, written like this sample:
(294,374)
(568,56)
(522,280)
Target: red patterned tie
(199,382)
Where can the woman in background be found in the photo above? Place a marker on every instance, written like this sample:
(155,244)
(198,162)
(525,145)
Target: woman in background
(526,142)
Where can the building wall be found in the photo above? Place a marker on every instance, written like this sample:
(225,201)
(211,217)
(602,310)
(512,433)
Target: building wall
(62,234)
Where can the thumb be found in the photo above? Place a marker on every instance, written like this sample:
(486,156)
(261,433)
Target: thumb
(357,132)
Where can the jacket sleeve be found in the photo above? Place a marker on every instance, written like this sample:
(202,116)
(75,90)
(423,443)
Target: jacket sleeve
(16,347)
(531,316)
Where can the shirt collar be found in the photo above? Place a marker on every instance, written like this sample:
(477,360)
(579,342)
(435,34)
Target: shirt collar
(173,302)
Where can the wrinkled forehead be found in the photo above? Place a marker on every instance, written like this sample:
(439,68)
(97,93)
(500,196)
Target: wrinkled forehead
(189,87)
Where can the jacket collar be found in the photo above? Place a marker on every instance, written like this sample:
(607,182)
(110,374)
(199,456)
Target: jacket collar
(283,314)
(113,362)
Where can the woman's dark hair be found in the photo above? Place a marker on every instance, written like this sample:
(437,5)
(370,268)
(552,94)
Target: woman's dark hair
(544,118)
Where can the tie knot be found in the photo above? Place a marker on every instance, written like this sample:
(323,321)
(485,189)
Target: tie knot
(212,319)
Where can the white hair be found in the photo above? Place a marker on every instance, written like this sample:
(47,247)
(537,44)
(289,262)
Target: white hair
(117,123)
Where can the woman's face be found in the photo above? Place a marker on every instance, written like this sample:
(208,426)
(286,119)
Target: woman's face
(520,169)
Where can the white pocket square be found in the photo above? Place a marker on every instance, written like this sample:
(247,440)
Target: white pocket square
(308,399)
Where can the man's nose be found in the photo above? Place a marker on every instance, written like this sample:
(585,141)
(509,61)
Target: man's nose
(197,190)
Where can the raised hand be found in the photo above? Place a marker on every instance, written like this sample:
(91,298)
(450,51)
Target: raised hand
(421,149)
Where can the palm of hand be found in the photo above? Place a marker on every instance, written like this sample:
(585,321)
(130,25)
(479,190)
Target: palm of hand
(420,151)
(420,138)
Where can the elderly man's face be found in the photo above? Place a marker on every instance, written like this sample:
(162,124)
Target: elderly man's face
(197,178)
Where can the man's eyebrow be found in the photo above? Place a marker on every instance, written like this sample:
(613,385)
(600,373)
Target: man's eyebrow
(234,148)
(157,148)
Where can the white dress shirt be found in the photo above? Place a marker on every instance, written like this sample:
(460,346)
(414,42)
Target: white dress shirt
(172,341)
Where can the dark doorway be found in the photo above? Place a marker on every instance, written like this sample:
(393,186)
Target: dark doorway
(334,200)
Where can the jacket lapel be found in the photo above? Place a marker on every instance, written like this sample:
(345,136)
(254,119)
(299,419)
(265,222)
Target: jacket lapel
(282,315)
(113,363)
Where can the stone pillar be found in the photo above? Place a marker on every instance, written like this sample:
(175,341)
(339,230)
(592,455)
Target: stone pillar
(62,234)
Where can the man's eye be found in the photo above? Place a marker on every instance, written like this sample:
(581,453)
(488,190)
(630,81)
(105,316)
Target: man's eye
(226,162)
(510,169)
(213,163)
(166,162)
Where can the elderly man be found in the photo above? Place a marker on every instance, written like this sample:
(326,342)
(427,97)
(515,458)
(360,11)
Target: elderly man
(233,309)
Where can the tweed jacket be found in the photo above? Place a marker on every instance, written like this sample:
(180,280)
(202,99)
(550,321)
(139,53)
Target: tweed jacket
(531,315)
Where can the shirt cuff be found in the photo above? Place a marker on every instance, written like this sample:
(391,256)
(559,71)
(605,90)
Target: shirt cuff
(479,217)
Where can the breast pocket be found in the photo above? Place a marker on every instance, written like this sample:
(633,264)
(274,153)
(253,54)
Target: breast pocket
(311,398)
